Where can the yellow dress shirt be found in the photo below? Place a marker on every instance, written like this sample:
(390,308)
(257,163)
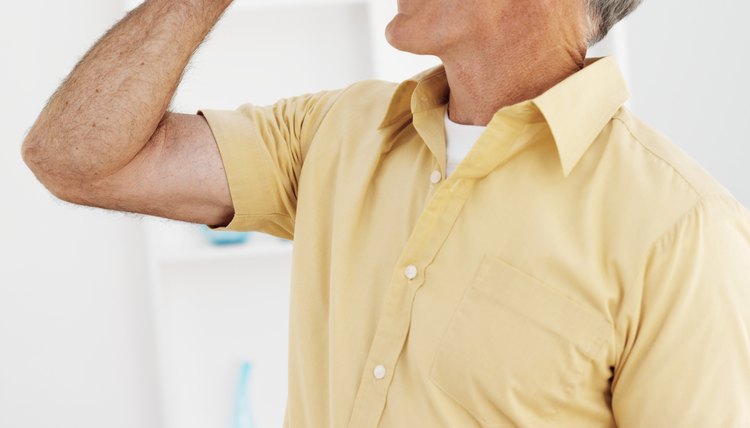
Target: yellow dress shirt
(576,270)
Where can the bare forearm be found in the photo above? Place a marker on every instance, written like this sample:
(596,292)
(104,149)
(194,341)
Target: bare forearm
(113,101)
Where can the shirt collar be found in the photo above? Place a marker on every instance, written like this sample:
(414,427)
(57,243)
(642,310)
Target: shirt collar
(576,109)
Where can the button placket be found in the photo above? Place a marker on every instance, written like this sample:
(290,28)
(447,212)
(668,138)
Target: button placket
(436,177)
(379,371)
(411,272)
(431,231)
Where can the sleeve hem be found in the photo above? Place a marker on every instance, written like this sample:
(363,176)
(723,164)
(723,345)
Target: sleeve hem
(243,180)
(246,222)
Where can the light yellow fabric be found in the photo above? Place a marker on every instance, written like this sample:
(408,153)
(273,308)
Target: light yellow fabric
(576,270)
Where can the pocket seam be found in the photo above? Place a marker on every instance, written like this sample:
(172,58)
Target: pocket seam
(480,273)
(597,339)
(594,345)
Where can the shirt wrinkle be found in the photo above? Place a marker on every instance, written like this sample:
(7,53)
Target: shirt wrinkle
(497,293)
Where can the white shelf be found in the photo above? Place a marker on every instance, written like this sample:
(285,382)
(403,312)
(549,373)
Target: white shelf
(209,253)
(178,242)
(215,306)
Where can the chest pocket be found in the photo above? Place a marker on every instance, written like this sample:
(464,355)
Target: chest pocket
(515,349)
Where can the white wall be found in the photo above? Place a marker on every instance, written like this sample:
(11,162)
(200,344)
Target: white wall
(697,90)
(75,331)
(217,310)
(689,66)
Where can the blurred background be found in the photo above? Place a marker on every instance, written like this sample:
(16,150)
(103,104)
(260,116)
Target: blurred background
(119,320)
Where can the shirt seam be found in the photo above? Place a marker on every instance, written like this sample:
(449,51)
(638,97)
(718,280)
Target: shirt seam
(656,243)
(399,118)
(263,215)
(658,156)
(334,104)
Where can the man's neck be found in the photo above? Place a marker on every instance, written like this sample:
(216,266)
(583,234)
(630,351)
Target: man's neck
(482,84)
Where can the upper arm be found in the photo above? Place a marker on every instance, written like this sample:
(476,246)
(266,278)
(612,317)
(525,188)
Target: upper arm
(179,174)
(230,169)
(686,360)
(264,148)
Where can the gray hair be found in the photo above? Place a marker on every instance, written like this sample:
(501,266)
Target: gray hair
(604,14)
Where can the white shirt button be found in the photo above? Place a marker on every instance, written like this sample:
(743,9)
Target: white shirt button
(410,272)
(379,372)
(436,177)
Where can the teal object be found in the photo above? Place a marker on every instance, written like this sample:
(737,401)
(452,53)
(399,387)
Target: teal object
(225,237)
(243,410)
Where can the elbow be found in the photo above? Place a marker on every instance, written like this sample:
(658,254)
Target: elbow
(27,149)
(29,152)
(33,153)
(31,156)
(34,158)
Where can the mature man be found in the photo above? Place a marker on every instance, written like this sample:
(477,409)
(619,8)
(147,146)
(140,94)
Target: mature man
(553,263)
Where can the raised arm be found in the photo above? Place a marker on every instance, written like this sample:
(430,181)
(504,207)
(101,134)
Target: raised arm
(105,138)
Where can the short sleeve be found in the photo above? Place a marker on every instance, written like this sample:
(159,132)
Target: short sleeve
(262,149)
(685,361)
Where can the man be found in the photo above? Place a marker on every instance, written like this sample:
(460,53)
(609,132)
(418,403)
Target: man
(553,263)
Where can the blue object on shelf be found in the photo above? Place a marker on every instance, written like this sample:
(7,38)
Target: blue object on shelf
(243,411)
(224,237)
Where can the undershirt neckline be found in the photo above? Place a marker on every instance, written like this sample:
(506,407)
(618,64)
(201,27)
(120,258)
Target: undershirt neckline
(459,140)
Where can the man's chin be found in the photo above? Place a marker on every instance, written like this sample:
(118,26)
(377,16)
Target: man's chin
(400,36)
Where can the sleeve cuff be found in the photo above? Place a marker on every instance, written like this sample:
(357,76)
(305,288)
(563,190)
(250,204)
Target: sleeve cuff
(244,166)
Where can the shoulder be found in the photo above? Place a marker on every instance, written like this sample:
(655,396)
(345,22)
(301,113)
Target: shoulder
(656,155)
(651,188)
(372,87)
(359,108)
(373,95)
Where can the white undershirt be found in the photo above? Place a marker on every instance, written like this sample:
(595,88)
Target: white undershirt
(459,140)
